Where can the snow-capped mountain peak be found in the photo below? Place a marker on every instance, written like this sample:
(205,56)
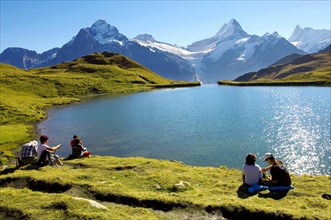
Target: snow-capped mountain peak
(101,26)
(231,31)
(273,36)
(105,33)
(296,33)
(231,28)
(145,37)
(309,39)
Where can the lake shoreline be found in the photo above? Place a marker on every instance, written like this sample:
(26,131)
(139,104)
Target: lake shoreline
(273,83)
(196,135)
(213,191)
(35,132)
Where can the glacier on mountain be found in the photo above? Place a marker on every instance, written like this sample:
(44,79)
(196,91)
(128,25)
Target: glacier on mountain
(248,48)
(180,51)
(193,58)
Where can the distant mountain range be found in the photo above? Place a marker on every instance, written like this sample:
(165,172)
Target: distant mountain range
(98,38)
(310,40)
(228,54)
(311,68)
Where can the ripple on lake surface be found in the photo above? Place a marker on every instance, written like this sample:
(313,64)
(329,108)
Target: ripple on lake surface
(207,126)
(299,132)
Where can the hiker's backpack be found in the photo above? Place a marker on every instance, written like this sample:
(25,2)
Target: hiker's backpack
(45,159)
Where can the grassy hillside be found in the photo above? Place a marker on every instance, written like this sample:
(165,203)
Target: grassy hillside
(312,69)
(138,188)
(123,188)
(26,95)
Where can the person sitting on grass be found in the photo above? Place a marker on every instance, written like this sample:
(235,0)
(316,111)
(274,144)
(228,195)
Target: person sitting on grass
(74,137)
(252,173)
(29,153)
(279,173)
(78,150)
(43,148)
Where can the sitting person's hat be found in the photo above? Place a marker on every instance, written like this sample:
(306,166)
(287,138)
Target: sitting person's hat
(267,156)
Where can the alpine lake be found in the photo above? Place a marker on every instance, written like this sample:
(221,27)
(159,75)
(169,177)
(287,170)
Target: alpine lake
(209,125)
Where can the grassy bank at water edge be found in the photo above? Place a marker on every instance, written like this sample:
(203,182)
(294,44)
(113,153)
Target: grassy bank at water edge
(26,95)
(140,188)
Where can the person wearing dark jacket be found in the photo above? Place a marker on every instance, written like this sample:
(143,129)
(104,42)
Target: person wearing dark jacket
(78,150)
(278,171)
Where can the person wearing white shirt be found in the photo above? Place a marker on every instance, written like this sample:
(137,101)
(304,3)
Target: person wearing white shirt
(252,173)
(44,147)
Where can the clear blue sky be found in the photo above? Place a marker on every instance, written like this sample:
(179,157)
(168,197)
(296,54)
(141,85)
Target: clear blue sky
(42,25)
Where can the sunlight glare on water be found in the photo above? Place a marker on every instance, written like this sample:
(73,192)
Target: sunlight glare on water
(295,133)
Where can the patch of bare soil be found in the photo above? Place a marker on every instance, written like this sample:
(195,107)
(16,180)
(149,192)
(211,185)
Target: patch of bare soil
(191,214)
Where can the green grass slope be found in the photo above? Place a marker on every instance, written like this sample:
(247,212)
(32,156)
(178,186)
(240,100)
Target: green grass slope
(123,188)
(138,188)
(25,95)
(312,69)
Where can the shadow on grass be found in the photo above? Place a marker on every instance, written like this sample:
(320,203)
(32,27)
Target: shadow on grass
(243,193)
(13,169)
(277,195)
(9,170)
